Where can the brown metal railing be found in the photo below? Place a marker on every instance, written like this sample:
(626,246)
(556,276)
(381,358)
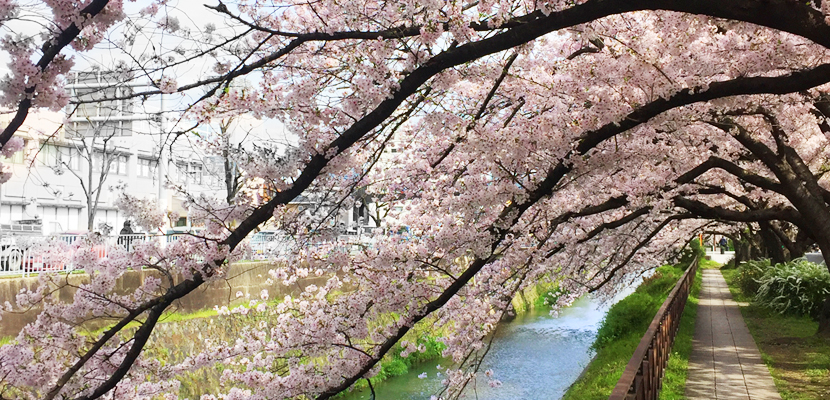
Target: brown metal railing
(643,376)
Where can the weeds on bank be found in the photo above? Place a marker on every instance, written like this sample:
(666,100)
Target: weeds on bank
(708,264)
(621,332)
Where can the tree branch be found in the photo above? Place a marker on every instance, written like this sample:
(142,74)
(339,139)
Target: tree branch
(717,162)
(704,210)
(51,48)
(636,248)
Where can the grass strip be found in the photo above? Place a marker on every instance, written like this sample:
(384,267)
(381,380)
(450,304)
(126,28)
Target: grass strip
(797,358)
(674,380)
(621,332)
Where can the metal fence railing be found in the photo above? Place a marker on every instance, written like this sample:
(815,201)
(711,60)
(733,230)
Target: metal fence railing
(280,245)
(32,255)
(642,378)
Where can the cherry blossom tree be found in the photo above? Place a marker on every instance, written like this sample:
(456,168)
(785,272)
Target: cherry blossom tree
(575,141)
(768,169)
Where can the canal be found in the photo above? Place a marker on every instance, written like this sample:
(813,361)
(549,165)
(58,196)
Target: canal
(535,356)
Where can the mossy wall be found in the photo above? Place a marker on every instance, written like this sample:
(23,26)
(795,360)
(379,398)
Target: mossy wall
(533,297)
(249,278)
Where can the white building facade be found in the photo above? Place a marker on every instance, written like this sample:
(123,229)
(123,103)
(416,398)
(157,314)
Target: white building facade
(62,162)
(109,142)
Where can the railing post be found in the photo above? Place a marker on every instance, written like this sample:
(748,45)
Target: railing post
(642,378)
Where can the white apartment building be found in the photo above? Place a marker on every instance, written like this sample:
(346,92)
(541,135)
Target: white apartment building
(52,175)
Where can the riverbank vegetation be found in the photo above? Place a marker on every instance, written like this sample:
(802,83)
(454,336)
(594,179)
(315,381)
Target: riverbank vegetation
(180,335)
(176,341)
(785,332)
(538,296)
(624,326)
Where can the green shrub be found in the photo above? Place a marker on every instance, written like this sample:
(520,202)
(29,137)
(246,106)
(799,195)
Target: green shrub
(694,249)
(729,265)
(631,314)
(749,275)
(662,282)
(396,367)
(795,288)
(552,296)
(434,349)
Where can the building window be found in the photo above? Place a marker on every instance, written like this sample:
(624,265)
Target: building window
(189,173)
(100,129)
(70,158)
(147,167)
(59,157)
(17,158)
(196,173)
(97,161)
(102,111)
(181,171)
(48,156)
(117,163)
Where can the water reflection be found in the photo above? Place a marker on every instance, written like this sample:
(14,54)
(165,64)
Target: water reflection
(535,356)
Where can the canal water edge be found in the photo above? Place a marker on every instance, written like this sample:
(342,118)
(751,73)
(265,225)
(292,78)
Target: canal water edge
(534,356)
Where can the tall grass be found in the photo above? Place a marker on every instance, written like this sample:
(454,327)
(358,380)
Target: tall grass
(749,275)
(798,287)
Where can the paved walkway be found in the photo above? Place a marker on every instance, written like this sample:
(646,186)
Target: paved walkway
(721,258)
(725,362)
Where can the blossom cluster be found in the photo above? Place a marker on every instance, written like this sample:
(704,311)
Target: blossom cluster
(491,172)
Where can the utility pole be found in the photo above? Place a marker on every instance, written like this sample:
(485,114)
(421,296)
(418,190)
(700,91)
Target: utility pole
(163,159)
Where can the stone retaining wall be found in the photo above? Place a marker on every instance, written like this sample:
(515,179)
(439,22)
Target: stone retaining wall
(249,278)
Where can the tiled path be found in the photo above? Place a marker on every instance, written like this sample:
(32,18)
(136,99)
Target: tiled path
(725,362)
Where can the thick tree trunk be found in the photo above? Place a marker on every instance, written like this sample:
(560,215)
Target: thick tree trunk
(824,319)
(754,247)
(824,313)
(801,244)
(741,252)
(772,245)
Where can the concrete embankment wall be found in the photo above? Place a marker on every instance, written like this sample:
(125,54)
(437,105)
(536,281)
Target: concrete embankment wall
(249,278)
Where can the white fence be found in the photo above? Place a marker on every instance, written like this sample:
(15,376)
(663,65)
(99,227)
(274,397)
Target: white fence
(264,247)
(33,255)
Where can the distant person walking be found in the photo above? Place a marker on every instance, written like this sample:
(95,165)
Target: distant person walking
(124,237)
(723,243)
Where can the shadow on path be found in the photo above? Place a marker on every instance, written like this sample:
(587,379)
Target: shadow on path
(725,362)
